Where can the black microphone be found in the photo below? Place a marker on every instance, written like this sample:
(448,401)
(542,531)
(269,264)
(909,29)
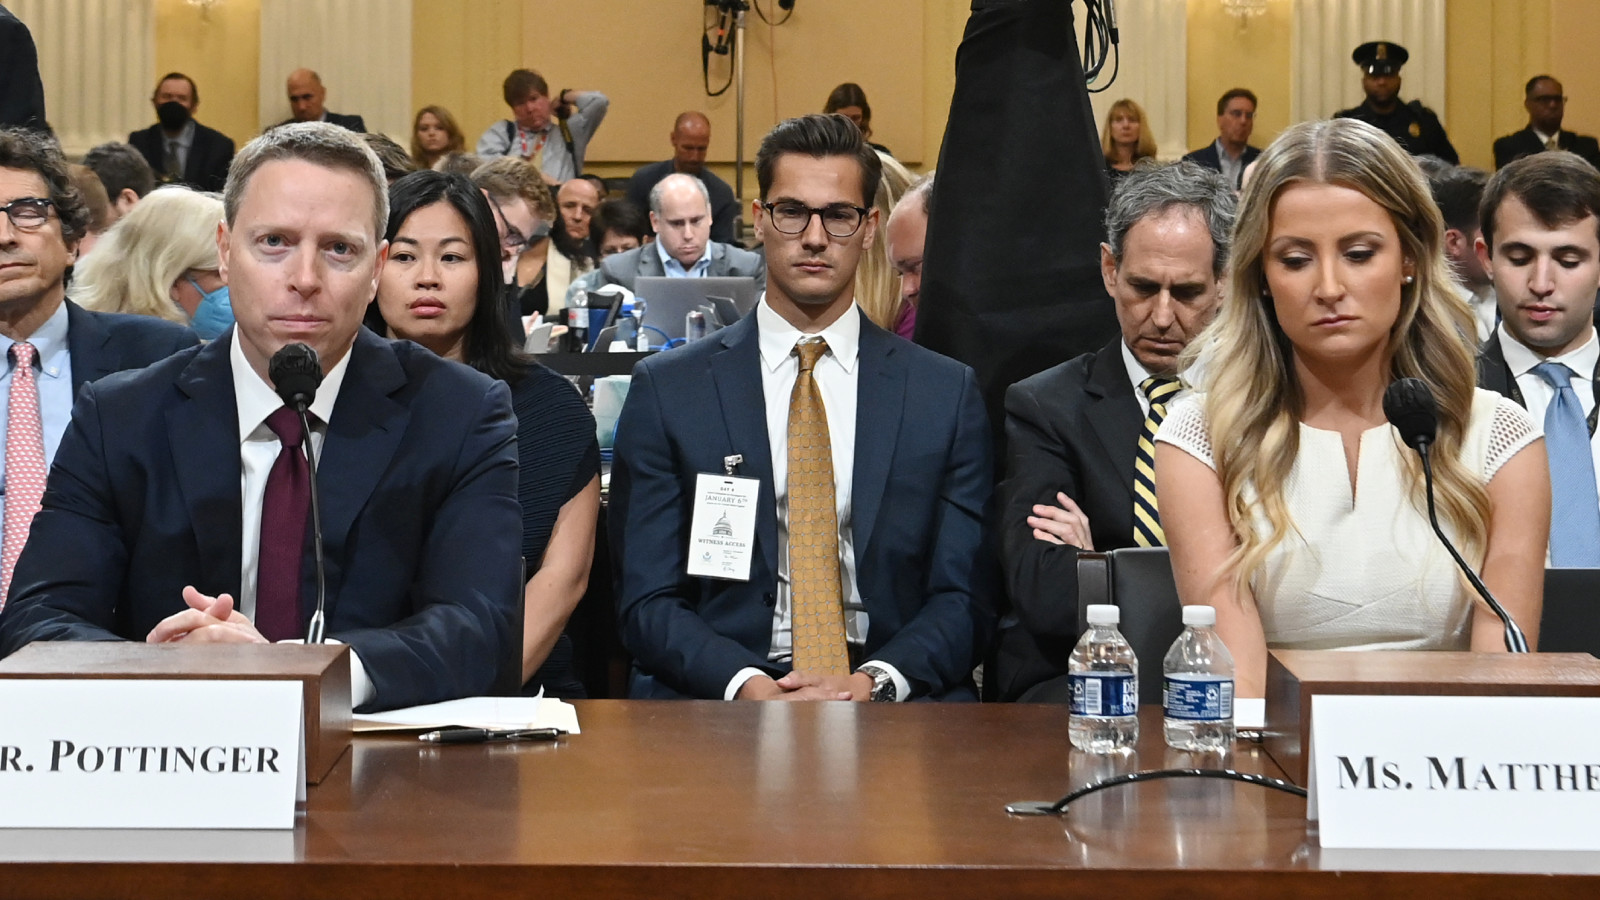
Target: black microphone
(1410,408)
(296,373)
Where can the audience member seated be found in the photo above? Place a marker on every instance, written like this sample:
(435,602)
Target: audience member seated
(434,133)
(882,588)
(1546,103)
(53,346)
(1457,191)
(680,213)
(877,285)
(1541,247)
(620,226)
(570,252)
(691,136)
(850,101)
(552,136)
(306,96)
(171,514)
(1338,286)
(124,173)
(905,236)
(179,149)
(523,212)
(1126,138)
(161,260)
(396,162)
(441,288)
(96,202)
(1079,435)
(1231,151)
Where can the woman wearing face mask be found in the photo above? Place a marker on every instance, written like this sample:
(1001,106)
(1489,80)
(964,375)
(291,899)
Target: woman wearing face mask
(441,288)
(160,260)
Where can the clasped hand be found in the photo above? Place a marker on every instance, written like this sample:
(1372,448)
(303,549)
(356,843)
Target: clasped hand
(803,685)
(207,620)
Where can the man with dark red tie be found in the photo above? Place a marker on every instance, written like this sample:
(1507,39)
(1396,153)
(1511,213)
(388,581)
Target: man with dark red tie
(177,507)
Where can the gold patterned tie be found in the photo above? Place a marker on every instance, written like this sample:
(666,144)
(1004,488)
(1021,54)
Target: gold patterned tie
(1146,521)
(1552,144)
(817,622)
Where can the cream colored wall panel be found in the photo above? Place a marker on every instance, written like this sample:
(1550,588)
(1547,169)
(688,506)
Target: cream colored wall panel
(95,58)
(360,48)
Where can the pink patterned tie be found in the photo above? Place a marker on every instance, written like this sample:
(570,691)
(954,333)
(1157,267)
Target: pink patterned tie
(25,466)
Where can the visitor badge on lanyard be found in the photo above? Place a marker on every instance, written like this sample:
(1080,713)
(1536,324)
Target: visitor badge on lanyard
(722,531)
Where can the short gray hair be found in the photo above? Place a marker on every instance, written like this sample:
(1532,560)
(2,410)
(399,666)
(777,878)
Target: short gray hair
(319,143)
(1154,189)
(661,187)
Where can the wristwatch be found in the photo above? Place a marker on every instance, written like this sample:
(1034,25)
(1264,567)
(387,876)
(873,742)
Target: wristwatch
(883,689)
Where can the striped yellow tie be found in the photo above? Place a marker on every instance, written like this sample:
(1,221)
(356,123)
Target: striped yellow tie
(1146,520)
(817,622)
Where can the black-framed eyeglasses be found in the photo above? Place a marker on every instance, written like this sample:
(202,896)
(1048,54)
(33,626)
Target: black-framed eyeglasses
(1548,98)
(513,241)
(840,220)
(28,213)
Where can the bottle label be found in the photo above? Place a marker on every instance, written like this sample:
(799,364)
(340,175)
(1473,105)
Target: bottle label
(1104,694)
(1200,698)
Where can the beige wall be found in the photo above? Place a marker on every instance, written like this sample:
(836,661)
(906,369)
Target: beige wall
(1225,53)
(221,50)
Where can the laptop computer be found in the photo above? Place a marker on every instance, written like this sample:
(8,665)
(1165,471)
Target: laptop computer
(669,300)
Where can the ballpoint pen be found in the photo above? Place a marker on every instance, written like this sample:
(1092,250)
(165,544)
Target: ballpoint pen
(487,735)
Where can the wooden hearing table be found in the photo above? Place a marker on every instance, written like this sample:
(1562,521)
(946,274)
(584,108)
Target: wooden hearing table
(838,800)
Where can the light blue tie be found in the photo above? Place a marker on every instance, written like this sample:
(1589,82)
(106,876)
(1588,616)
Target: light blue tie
(1575,505)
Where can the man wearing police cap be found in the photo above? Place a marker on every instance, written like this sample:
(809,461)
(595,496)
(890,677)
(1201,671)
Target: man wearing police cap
(1413,125)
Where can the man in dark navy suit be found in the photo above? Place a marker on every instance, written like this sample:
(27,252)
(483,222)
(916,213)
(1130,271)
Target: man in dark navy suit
(179,149)
(1231,152)
(306,96)
(1546,103)
(65,345)
(173,510)
(866,460)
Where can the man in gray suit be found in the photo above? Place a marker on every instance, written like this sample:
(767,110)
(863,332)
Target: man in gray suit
(680,213)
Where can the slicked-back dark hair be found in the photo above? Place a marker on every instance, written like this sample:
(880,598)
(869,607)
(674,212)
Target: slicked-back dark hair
(1458,190)
(1558,187)
(487,346)
(121,168)
(819,136)
(31,151)
(623,217)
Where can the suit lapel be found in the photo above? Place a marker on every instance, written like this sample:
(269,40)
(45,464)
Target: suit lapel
(1114,411)
(198,428)
(880,408)
(736,372)
(362,438)
(86,340)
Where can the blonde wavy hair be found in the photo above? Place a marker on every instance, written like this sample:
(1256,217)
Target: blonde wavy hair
(1147,140)
(877,285)
(133,268)
(1253,401)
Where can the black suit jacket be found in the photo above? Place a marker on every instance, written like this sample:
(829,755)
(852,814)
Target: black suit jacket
(1207,156)
(1073,429)
(21,91)
(209,155)
(421,525)
(349,123)
(1525,142)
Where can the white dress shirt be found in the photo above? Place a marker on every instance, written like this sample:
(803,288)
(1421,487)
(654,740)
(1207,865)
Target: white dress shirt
(675,269)
(1484,306)
(1537,393)
(837,374)
(258,450)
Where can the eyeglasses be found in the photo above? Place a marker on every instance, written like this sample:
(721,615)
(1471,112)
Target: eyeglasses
(1548,98)
(513,241)
(840,220)
(28,213)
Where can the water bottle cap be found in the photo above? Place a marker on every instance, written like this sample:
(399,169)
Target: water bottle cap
(1199,615)
(1103,614)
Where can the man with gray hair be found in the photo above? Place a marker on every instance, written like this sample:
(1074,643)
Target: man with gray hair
(906,233)
(1079,475)
(680,213)
(177,506)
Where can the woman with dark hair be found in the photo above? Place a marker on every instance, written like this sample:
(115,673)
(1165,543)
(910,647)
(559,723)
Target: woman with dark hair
(441,288)
(850,101)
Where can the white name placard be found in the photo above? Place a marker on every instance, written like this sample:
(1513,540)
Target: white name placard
(113,753)
(1456,773)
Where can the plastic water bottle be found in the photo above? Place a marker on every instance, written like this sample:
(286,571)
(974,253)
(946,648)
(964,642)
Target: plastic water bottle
(578,323)
(642,338)
(1104,715)
(1197,694)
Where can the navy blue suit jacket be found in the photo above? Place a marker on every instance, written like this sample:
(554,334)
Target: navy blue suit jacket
(921,481)
(1207,156)
(421,524)
(102,343)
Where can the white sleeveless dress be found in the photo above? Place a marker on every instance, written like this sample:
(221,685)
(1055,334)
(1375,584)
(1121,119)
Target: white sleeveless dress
(1364,571)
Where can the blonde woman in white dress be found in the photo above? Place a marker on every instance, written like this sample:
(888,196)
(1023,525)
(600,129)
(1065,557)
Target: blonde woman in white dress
(1288,501)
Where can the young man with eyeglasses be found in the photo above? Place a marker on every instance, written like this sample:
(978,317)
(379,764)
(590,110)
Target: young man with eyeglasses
(1546,103)
(58,345)
(797,502)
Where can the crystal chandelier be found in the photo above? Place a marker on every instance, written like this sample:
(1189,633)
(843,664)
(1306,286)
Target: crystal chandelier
(1244,9)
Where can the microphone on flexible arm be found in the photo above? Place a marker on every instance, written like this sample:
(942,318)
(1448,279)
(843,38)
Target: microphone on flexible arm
(1410,408)
(296,373)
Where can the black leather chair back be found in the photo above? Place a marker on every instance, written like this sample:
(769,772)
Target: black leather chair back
(1571,620)
(1138,580)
